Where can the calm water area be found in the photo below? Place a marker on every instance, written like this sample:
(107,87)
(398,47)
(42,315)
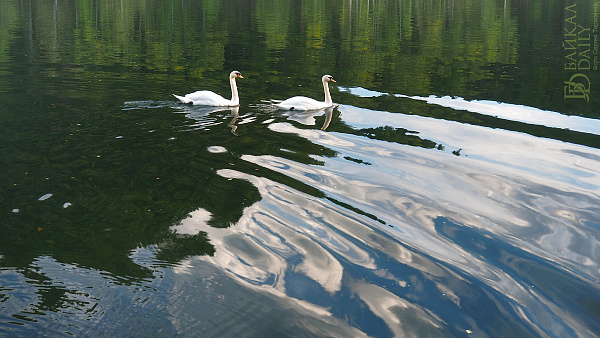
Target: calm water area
(453,190)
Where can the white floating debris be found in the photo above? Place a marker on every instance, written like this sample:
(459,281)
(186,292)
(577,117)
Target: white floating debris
(15,210)
(66,205)
(45,197)
(216,149)
(119,136)
(469,331)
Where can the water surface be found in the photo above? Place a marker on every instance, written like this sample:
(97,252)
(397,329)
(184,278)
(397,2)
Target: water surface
(452,191)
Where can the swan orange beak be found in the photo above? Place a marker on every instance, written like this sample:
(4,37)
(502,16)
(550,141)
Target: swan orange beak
(240,76)
(332,80)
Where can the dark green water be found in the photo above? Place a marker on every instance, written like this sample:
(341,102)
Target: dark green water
(454,190)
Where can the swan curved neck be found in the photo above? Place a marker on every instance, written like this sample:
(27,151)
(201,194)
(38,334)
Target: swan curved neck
(328,100)
(235,99)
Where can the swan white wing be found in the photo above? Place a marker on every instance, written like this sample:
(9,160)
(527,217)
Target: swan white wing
(208,98)
(205,98)
(301,103)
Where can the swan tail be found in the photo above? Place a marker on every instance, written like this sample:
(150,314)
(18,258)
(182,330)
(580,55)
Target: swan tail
(183,99)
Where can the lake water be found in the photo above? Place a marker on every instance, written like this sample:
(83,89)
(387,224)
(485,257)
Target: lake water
(453,191)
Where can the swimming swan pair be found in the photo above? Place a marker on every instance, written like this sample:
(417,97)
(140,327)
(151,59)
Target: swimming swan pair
(208,98)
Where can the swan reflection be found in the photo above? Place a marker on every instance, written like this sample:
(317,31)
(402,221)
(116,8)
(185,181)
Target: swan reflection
(307,117)
(328,116)
(203,116)
(235,112)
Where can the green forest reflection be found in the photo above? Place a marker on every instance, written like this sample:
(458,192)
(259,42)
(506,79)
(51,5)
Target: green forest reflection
(473,49)
(77,62)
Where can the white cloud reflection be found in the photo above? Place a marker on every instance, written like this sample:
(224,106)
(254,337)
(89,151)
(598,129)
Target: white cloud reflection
(530,194)
(197,221)
(502,110)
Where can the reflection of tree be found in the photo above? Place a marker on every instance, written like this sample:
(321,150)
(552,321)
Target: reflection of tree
(153,36)
(408,45)
(8,21)
(399,135)
(419,47)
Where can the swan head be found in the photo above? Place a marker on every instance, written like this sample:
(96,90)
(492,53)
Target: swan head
(327,78)
(235,74)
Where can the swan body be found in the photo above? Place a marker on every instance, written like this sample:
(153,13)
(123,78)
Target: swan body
(306,103)
(208,98)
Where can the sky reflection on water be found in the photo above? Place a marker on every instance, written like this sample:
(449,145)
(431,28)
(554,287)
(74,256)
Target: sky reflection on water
(487,210)
(499,109)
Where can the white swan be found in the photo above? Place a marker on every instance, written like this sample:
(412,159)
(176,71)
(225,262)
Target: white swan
(306,103)
(208,98)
